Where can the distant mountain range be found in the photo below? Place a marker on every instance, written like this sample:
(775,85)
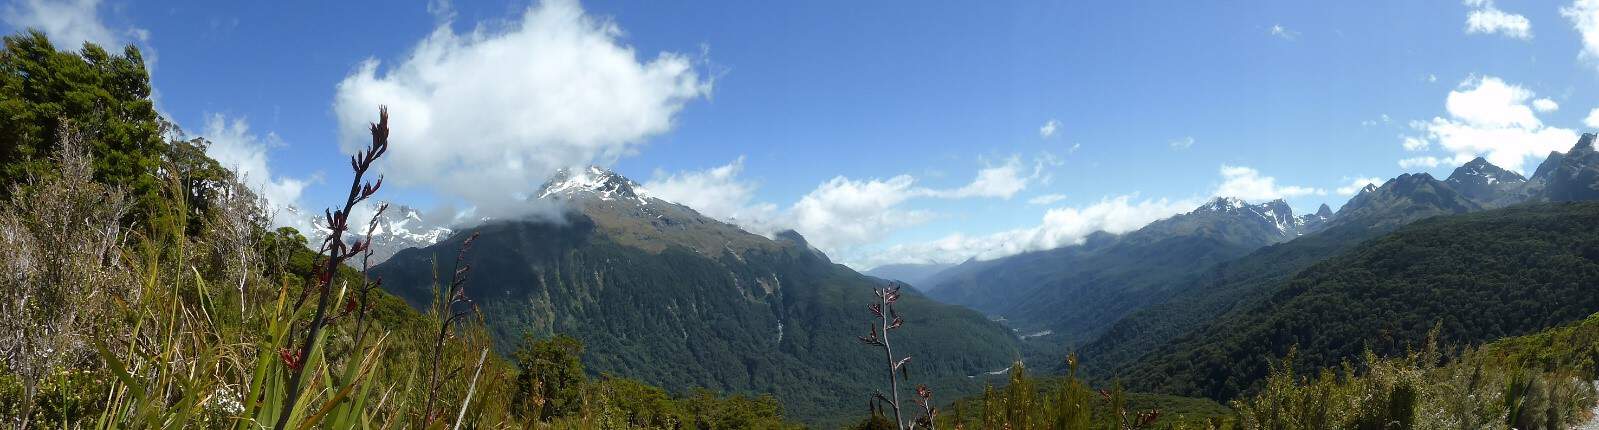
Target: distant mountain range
(1216,305)
(1116,298)
(915,274)
(661,293)
(399,227)
(1076,291)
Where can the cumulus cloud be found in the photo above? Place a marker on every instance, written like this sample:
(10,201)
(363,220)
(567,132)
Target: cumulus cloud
(1545,105)
(488,115)
(1248,184)
(245,154)
(1048,129)
(1046,199)
(1593,118)
(1493,119)
(69,23)
(842,215)
(1183,143)
(1486,18)
(716,192)
(1584,16)
(843,212)
(1356,184)
(1003,181)
(1059,227)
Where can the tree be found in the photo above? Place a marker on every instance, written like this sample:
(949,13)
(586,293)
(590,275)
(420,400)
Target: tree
(103,97)
(551,376)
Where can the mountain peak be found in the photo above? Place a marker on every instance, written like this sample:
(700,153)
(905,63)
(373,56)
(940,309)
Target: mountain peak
(1479,172)
(1548,165)
(593,181)
(1326,211)
(1584,144)
(1223,204)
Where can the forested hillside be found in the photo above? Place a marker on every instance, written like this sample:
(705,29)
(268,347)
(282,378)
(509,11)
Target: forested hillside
(1478,277)
(651,286)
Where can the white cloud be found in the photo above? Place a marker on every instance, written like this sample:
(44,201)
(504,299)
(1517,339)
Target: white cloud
(841,216)
(1356,184)
(1584,16)
(69,23)
(1412,143)
(1048,129)
(1046,199)
(1248,184)
(1593,118)
(718,193)
(484,115)
(1002,181)
(1493,119)
(1283,32)
(843,213)
(1485,18)
(244,153)
(1183,143)
(1414,162)
(1059,227)
(1545,105)
(1432,78)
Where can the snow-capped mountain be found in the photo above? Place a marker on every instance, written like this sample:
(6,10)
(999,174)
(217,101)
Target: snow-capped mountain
(592,182)
(1274,216)
(399,227)
(625,210)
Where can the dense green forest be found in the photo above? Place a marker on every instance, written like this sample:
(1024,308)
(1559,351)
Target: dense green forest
(1478,277)
(755,321)
(1242,283)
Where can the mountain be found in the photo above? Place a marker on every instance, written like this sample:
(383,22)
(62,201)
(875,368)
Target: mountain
(1374,211)
(1402,200)
(1478,277)
(660,293)
(399,227)
(1239,286)
(1488,185)
(915,274)
(1070,294)
(1574,176)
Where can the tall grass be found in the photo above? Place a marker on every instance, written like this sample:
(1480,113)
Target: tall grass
(1414,391)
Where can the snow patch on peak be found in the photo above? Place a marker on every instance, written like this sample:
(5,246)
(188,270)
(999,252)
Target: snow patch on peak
(593,181)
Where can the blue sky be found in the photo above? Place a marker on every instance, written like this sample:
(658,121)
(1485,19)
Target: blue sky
(883,131)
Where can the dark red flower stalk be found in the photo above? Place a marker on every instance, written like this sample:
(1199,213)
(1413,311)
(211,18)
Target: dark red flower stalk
(456,307)
(333,253)
(887,319)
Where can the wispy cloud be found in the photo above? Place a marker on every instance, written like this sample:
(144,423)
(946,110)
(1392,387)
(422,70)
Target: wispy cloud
(1248,184)
(1048,129)
(245,153)
(1183,143)
(1486,18)
(1046,199)
(1584,17)
(1358,183)
(1280,32)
